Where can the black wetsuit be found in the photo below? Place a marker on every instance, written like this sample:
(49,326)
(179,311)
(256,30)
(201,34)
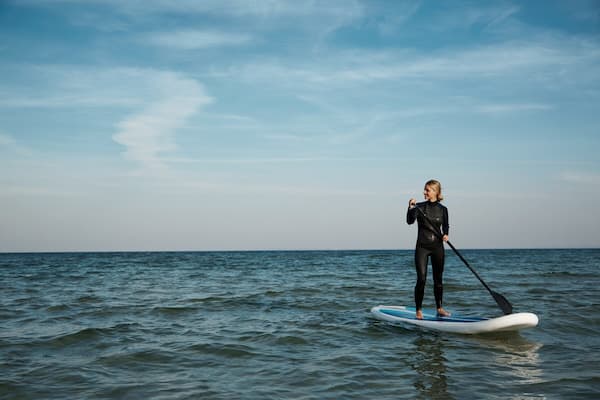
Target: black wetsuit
(429,244)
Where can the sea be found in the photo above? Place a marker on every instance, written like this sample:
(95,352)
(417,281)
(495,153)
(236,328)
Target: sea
(291,325)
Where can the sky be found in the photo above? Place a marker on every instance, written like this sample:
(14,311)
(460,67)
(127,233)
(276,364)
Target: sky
(151,125)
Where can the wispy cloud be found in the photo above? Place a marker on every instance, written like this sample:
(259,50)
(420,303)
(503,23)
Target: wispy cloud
(196,39)
(485,15)
(549,58)
(158,102)
(262,15)
(149,133)
(69,86)
(511,108)
(269,160)
(8,142)
(391,23)
(268,9)
(580,177)
(68,101)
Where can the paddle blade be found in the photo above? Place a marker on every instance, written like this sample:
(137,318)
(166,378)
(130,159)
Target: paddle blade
(504,304)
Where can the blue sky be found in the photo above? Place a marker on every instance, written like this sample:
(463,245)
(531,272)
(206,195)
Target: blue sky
(219,125)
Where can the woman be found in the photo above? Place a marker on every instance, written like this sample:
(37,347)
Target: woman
(430,216)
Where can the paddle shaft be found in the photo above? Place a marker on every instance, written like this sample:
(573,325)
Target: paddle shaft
(502,302)
(468,266)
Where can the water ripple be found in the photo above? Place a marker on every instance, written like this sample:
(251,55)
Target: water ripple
(276,325)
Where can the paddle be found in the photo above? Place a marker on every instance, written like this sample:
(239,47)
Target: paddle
(502,302)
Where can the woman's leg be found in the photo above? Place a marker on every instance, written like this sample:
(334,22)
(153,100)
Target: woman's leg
(421,257)
(437,266)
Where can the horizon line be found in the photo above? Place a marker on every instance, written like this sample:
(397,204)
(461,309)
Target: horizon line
(279,250)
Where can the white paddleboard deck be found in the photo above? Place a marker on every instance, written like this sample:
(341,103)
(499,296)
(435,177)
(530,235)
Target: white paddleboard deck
(454,323)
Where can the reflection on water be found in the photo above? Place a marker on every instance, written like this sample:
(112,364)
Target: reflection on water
(513,358)
(430,365)
(520,355)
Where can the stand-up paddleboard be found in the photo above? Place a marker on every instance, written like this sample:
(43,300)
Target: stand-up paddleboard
(455,323)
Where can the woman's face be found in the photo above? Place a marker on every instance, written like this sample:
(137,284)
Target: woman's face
(430,193)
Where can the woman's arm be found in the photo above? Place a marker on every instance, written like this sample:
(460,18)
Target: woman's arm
(411,214)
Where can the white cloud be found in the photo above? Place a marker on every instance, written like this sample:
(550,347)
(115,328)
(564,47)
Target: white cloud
(150,132)
(61,101)
(9,143)
(339,9)
(511,108)
(475,14)
(580,177)
(159,103)
(70,86)
(6,140)
(197,39)
(264,14)
(549,59)
(391,23)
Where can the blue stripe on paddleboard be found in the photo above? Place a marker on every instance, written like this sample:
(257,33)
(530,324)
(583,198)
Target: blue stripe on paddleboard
(409,313)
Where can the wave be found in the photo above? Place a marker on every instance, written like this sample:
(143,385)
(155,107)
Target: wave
(85,335)
(87,299)
(173,310)
(223,350)
(145,357)
(281,325)
(58,307)
(70,339)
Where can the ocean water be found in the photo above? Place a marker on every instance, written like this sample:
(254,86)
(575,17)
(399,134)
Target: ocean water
(291,325)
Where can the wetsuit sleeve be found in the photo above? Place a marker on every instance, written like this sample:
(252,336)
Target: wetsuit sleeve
(445,224)
(411,215)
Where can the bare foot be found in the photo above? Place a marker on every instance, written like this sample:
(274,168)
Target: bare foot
(442,313)
(419,314)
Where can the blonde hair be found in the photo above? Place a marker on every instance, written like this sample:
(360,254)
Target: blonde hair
(437,186)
